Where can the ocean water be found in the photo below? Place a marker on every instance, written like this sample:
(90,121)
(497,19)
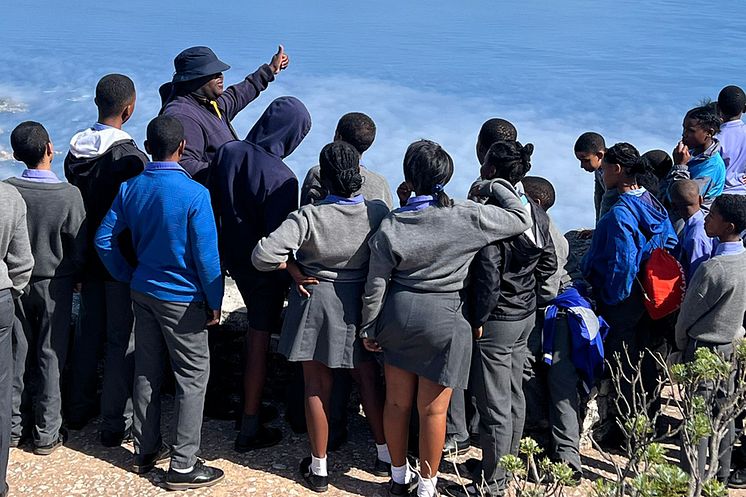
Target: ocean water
(435,70)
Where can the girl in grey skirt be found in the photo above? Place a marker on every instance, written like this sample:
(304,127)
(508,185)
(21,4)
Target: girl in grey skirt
(413,308)
(329,241)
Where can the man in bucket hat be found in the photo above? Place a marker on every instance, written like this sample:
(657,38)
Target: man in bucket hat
(195,97)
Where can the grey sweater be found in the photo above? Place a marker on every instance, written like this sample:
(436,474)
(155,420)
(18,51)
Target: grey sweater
(16,261)
(431,249)
(330,240)
(375,187)
(56,227)
(715,302)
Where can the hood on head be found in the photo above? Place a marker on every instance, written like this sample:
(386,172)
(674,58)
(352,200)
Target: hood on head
(282,126)
(94,142)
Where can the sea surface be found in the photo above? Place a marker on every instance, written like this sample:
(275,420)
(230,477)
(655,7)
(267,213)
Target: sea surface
(421,69)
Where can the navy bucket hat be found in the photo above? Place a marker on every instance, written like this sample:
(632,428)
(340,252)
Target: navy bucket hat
(197,62)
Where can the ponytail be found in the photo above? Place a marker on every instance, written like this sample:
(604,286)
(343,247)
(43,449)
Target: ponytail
(339,168)
(510,160)
(428,168)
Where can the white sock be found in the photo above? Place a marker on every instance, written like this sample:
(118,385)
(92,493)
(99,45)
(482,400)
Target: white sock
(318,466)
(401,474)
(383,453)
(426,487)
(183,471)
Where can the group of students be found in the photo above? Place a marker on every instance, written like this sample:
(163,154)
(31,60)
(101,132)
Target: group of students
(461,301)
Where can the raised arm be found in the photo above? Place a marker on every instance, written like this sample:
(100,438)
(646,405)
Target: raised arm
(107,244)
(236,97)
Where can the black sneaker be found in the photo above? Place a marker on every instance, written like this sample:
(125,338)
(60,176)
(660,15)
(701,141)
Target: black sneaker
(737,479)
(453,447)
(470,490)
(45,450)
(200,476)
(315,482)
(381,468)
(115,438)
(265,437)
(397,489)
(144,463)
(471,469)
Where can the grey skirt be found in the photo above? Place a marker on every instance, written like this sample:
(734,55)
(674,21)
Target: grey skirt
(427,334)
(323,326)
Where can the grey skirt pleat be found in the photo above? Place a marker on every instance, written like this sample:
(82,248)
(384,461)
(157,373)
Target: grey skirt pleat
(427,334)
(322,327)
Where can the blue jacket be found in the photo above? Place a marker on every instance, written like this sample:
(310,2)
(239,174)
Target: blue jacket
(624,238)
(173,233)
(587,333)
(707,169)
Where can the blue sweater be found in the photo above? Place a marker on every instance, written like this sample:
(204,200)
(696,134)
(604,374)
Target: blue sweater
(173,232)
(624,239)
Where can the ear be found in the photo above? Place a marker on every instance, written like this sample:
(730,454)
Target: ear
(50,149)
(600,154)
(180,150)
(128,111)
(147,148)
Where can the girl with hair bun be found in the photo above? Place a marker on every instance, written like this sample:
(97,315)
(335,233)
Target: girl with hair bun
(624,239)
(325,245)
(413,308)
(502,312)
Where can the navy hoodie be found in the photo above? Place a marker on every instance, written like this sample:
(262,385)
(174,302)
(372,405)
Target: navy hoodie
(252,189)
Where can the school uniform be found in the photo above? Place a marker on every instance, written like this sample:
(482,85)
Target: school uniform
(712,317)
(176,282)
(502,300)
(707,169)
(16,264)
(374,187)
(695,246)
(330,242)
(56,225)
(420,257)
(253,191)
(732,138)
(100,159)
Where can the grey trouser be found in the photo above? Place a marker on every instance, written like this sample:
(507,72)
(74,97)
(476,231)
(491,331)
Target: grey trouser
(456,416)
(44,311)
(552,391)
(175,332)
(21,404)
(6,379)
(105,315)
(726,444)
(497,380)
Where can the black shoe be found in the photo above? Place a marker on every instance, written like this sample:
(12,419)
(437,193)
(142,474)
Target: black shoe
(200,476)
(45,450)
(315,482)
(144,463)
(470,469)
(381,468)
(454,447)
(115,438)
(265,437)
(16,442)
(737,479)
(470,490)
(267,414)
(397,489)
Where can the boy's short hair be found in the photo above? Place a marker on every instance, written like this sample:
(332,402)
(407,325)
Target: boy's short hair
(164,135)
(113,93)
(686,190)
(590,142)
(539,190)
(660,161)
(29,141)
(358,130)
(495,130)
(731,101)
(732,208)
(706,116)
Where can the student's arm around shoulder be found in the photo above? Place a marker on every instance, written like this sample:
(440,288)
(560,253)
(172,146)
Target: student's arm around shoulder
(508,218)
(271,251)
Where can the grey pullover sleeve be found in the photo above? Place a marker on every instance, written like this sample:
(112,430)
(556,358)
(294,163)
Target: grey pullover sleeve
(18,259)
(508,218)
(273,250)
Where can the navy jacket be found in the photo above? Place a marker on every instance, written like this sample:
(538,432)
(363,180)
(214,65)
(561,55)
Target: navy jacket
(204,130)
(252,189)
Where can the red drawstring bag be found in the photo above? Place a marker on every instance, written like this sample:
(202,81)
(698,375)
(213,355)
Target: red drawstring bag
(663,284)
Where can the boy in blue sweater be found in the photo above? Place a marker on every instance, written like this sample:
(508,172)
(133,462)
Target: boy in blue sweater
(177,291)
